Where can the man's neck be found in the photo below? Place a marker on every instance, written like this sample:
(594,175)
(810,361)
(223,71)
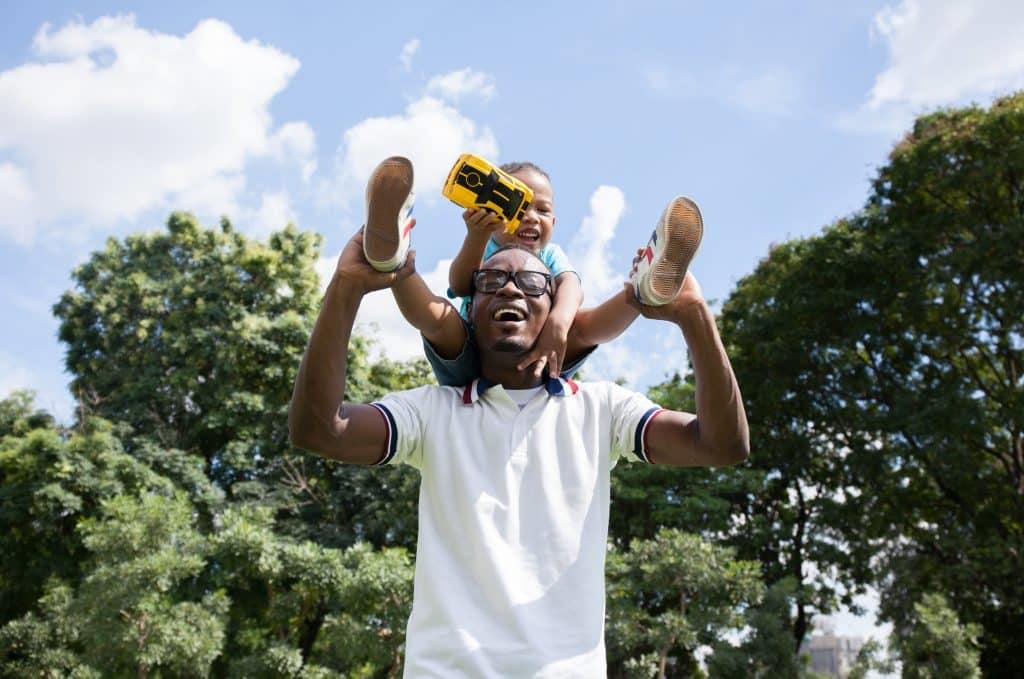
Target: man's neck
(510,378)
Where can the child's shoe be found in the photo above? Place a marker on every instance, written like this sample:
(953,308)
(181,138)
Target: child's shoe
(659,274)
(389,200)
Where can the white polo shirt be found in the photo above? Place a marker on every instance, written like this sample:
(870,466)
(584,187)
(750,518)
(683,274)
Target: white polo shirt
(513,524)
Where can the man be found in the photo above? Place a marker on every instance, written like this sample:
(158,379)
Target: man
(514,495)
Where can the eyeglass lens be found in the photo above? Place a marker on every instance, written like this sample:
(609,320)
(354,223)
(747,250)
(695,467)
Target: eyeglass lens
(532,283)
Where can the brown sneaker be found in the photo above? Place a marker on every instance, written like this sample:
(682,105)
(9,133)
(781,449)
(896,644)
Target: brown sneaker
(663,265)
(389,200)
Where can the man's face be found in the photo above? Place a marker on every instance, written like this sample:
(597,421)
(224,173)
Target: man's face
(508,320)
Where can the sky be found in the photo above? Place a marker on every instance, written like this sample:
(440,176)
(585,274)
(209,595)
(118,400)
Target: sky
(774,117)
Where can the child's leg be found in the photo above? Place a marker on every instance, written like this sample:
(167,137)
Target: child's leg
(434,316)
(657,276)
(386,239)
(599,325)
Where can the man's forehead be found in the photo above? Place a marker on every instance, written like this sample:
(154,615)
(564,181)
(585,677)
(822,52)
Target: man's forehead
(515,259)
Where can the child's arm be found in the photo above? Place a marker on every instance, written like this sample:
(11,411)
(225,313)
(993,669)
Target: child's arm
(550,348)
(480,224)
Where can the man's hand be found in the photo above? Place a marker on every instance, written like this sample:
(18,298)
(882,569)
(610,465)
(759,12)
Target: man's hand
(689,294)
(358,275)
(548,352)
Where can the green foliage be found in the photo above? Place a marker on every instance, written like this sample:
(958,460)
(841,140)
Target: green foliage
(156,594)
(18,417)
(646,498)
(132,614)
(871,658)
(669,595)
(936,645)
(50,481)
(767,650)
(194,336)
(369,630)
(881,366)
(122,550)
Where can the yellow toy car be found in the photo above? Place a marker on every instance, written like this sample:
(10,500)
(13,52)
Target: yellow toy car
(475,182)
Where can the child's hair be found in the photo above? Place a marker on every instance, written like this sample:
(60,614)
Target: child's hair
(519,166)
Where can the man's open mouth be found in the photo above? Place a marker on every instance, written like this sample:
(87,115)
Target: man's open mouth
(508,314)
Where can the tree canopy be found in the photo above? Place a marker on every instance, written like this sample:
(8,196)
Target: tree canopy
(882,364)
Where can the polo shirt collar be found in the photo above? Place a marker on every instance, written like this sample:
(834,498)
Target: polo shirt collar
(472,392)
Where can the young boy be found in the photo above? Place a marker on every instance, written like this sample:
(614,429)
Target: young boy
(570,333)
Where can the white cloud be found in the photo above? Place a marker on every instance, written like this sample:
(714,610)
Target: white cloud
(113,120)
(942,52)
(295,142)
(616,360)
(16,202)
(588,249)
(465,83)
(53,397)
(590,252)
(274,213)
(430,132)
(409,50)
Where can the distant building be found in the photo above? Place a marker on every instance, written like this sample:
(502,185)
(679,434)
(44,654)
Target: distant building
(832,655)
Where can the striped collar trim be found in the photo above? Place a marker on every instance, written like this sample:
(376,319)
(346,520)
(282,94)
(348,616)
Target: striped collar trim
(472,392)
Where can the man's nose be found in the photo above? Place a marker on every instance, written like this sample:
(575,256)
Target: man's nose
(510,289)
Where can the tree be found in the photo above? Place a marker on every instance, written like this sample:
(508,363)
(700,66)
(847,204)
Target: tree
(93,541)
(108,573)
(936,645)
(183,536)
(805,422)
(669,595)
(194,336)
(881,363)
(299,607)
(646,498)
(51,481)
(766,651)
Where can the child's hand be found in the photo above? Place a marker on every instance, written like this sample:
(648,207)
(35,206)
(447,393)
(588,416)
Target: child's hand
(481,220)
(548,352)
(636,260)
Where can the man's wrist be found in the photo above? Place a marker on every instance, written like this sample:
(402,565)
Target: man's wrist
(693,314)
(343,286)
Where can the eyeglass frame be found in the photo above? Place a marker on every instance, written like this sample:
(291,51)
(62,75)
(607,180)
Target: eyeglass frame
(514,277)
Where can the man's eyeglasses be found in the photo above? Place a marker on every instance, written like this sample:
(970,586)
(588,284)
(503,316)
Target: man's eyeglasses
(532,283)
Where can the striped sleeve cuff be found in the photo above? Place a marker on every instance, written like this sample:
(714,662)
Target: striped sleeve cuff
(392,443)
(640,437)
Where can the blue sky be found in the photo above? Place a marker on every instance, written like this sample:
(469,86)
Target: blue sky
(773,116)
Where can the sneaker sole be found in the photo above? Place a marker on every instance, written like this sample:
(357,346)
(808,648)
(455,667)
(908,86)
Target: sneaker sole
(386,192)
(683,230)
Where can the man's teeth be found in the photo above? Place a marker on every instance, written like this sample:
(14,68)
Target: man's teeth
(508,315)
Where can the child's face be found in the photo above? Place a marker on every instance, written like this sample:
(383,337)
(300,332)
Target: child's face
(538,222)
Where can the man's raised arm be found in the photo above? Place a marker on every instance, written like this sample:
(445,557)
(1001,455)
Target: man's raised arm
(319,420)
(718,434)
